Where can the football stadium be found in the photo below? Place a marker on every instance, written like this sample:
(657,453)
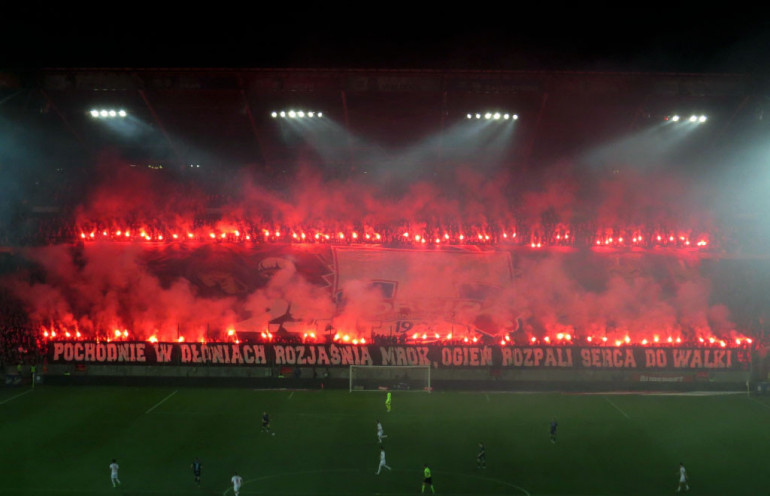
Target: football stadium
(311,281)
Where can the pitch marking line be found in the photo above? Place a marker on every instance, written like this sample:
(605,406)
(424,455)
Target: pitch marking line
(759,402)
(487,396)
(292,394)
(497,481)
(616,407)
(156,405)
(308,472)
(14,397)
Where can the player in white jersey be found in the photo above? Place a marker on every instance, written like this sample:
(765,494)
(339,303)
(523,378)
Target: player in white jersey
(382,461)
(237,482)
(114,473)
(682,478)
(380,433)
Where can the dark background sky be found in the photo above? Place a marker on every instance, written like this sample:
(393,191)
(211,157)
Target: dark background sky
(511,36)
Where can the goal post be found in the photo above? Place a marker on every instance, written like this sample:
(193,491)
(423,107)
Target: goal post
(390,377)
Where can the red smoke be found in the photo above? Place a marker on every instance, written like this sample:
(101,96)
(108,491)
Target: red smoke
(110,287)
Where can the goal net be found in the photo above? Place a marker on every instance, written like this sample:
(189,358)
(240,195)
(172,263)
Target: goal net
(389,377)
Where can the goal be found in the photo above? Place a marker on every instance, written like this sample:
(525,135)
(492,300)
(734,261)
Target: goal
(389,377)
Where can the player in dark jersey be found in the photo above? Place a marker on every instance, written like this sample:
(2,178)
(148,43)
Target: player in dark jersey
(553,431)
(481,458)
(266,423)
(196,468)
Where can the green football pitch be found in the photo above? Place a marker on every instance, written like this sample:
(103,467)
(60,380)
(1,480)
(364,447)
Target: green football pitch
(60,441)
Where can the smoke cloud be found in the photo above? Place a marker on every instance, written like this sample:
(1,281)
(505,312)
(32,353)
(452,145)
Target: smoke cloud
(111,285)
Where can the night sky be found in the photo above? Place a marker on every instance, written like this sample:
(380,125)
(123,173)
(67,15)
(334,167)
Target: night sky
(521,37)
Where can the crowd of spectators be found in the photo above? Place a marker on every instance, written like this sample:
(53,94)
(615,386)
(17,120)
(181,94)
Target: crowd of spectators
(19,342)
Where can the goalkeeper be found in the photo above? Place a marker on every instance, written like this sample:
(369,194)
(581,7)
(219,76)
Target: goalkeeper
(387,402)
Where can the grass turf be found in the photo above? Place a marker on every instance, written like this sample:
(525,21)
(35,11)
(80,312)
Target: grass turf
(60,441)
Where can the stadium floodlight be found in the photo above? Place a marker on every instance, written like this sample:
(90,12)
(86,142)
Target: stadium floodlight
(107,113)
(469,116)
(693,118)
(478,116)
(506,116)
(488,115)
(675,118)
(296,114)
(496,116)
(702,119)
